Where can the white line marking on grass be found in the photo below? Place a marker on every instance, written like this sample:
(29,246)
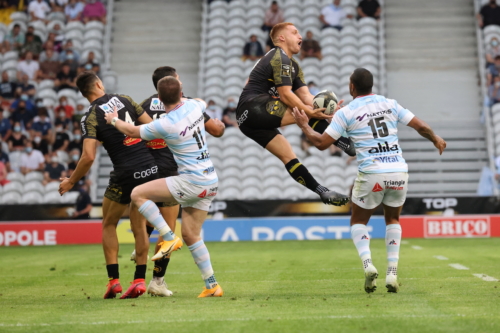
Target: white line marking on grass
(485,277)
(405,242)
(416,247)
(460,267)
(441,257)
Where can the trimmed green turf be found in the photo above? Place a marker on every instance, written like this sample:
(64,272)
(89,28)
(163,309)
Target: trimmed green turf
(291,286)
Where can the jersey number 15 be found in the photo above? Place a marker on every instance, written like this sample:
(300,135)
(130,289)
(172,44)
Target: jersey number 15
(379,127)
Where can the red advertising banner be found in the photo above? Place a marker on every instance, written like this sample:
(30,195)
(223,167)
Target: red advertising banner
(50,233)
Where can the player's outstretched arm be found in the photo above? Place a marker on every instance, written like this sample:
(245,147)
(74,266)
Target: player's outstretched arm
(89,149)
(426,131)
(128,129)
(320,141)
(215,127)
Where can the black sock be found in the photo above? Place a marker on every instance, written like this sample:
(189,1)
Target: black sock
(302,176)
(149,230)
(160,267)
(112,271)
(140,272)
(318,125)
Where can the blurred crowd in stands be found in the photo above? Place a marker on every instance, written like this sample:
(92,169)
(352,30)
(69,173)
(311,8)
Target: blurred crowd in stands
(35,136)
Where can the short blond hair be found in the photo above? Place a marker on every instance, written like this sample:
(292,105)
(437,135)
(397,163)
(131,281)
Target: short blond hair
(277,29)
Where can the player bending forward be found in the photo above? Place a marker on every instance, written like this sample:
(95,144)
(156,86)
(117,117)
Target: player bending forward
(371,121)
(183,130)
(276,85)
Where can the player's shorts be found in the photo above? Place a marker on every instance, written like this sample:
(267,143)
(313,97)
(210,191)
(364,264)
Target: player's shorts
(192,195)
(167,167)
(372,189)
(123,181)
(259,117)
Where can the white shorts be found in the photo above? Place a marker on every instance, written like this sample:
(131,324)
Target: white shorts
(191,195)
(372,189)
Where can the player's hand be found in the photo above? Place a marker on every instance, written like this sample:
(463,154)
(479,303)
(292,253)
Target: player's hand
(318,114)
(110,115)
(339,105)
(300,117)
(65,185)
(440,144)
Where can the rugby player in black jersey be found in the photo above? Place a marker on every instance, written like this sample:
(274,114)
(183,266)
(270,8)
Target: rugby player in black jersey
(276,85)
(167,167)
(133,165)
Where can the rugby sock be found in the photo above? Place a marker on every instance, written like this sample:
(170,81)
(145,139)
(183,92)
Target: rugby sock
(318,125)
(160,267)
(361,239)
(149,230)
(302,176)
(201,257)
(113,271)
(392,242)
(140,272)
(151,212)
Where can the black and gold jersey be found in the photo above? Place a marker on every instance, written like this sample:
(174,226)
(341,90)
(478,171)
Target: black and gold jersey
(125,152)
(273,70)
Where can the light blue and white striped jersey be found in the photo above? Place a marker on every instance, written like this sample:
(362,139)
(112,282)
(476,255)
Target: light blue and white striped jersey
(371,122)
(183,129)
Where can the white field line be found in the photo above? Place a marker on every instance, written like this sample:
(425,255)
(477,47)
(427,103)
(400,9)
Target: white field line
(460,267)
(441,257)
(197,320)
(416,247)
(485,277)
(405,242)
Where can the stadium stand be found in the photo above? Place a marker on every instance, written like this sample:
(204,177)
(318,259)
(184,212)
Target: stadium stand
(84,46)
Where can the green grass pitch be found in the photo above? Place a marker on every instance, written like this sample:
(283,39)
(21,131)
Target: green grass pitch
(290,286)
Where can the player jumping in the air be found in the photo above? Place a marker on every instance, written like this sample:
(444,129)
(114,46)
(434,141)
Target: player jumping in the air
(133,165)
(167,168)
(371,121)
(276,85)
(183,130)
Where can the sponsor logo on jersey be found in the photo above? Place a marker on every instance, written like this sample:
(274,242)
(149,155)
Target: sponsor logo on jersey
(156,144)
(128,141)
(285,70)
(145,173)
(190,127)
(242,118)
(383,148)
(202,194)
(377,188)
(457,226)
(204,155)
(82,123)
(108,107)
(208,171)
(387,159)
(156,105)
(375,114)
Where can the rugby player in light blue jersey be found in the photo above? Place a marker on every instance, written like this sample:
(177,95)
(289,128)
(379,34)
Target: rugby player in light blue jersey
(183,129)
(371,122)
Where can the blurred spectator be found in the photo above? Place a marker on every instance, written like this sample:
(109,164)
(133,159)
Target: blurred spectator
(213,110)
(332,15)
(61,119)
(21,113)
(74,156)
(229,114)
(369,8)
(76,143)
(32,159)
(313,88)
(5,128)
(79,113)
(66,79)
(43,124)
(274,15)
(49,68)
(7,87)
(74,10)
(4,146)
(83,204)
(493,70)
(15,38)
(58,5)
(53,170)
(38,10)
(61,141)
(3,174)
(51,39)
(59,35)
(492,51)
(252,50)
(494,91)
(310,47)
(17,138)
(69,53)
(25,87)
(94,11)
(28,66)
(4,158)
(489,14)
(63,108)
(31,30)
(54,54)
(40,144)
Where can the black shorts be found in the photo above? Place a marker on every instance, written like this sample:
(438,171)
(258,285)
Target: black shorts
(123,181)
(260,116)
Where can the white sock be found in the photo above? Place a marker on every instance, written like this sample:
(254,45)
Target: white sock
(392,242)
(361,239)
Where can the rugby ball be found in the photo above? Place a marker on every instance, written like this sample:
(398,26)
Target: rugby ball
(326,99)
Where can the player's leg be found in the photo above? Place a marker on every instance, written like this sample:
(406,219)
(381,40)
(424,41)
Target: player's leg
(281,148)
(112,211)
(192,221)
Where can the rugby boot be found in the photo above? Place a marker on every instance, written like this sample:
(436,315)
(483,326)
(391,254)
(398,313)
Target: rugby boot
(136,289)
(113,288)
(371,275)
(167,247)
(159,287)
(346,145)
(334,198)
(391,280)
(214,292)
